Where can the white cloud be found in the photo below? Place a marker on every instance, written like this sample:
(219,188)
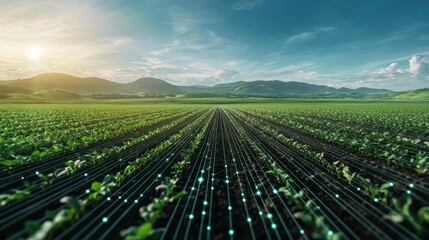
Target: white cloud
(120,41)
(244,5)
(419,66)
(392,70)
(220,76)
(306,36)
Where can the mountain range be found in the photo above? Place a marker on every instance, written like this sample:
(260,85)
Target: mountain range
(151,86)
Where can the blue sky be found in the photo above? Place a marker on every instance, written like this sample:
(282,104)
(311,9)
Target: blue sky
(378,43)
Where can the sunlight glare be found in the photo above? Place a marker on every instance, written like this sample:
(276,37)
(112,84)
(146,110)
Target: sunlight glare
(34,53)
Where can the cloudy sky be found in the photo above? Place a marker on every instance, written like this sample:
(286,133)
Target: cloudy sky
(371,43)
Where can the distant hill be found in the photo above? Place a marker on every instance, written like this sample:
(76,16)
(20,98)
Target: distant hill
(279,88)
(420,94)
(153,86)
(69,83)
(41,95)
(64,82)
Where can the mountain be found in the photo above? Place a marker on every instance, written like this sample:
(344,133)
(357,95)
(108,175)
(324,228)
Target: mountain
(152,85)
(64,82)
(91,85)
(279,88)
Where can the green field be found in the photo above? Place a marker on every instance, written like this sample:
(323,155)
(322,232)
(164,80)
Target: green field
(193,167)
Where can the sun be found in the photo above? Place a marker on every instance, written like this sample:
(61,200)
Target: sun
(34,53)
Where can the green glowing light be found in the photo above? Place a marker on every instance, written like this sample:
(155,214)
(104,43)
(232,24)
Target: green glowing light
(209,228)
(411,185)
(249,219)
(301,231)
(231,232)
(105,219)
(269,215)
(330,233)
(273,225)
(191,216)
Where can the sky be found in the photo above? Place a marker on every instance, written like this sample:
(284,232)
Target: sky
(339,43)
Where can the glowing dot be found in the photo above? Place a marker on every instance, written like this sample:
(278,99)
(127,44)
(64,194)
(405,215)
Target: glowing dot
(108,199)
(260,213)
(231,232)
(330,233)
(227,181)
(204,212)
(191,216)
(213,179)
(87,191)
(337,196)
(229,208)
(358,188)
(391,184)
(408,192)
(212,188)
(126,200)
(275,191)
(86,174)
(119,197)
(205,203)
(141,195)
(136,201)
(192,188)
(244,200)
(273,225)
(202,171)
(105,219)
(269,215)
(159,175)
(208,228)
(258,193)
(200,179)
(411,185)
(301,231)
(249,219)
(37,173)
(22,178)
(375,199)
(226,166)
(236,172)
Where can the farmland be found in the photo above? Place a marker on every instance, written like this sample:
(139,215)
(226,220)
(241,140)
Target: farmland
(215,169)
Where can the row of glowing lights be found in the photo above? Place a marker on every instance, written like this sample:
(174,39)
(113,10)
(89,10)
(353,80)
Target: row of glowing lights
(231,231)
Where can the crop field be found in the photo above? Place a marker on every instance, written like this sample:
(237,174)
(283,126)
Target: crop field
(176,170)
